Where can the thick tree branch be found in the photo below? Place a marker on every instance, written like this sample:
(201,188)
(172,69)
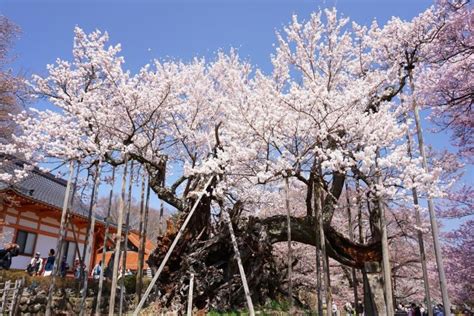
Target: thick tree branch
(340,248)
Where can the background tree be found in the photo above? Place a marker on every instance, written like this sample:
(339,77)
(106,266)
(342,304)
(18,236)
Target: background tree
(153,216)
(460,270)
(446,85)
(12,87)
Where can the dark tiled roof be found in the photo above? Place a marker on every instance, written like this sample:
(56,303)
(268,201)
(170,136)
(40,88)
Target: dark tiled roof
(38,185)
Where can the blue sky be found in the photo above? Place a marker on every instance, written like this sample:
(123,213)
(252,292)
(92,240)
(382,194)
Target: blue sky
(177,29)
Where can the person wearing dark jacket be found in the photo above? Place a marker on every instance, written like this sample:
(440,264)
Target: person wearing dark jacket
(48,266)
(6,255)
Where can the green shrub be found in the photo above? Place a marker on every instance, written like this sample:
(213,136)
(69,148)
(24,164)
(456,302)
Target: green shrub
(37,281)
(130,282)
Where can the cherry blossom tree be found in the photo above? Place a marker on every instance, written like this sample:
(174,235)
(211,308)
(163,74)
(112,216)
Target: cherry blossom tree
(327,115)
(459,266)
(12,87)
(446,82)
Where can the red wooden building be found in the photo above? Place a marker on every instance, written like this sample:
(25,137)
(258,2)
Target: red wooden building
(30,213)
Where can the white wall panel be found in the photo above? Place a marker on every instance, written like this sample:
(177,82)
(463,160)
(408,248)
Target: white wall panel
(27,223)
(20,262)
(30,214)
(7,235)
(50,220)
(10,219)
(44,244)
(50,229)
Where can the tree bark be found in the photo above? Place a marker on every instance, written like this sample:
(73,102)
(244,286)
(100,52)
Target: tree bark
(375,301)
(339,247)
(221,291)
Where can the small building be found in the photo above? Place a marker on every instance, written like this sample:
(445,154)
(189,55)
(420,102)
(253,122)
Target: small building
(30,213)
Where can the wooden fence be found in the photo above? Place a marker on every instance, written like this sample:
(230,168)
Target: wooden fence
(10,293)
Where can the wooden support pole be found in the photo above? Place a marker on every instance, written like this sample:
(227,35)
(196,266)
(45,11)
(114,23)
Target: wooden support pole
(86,272)
(59,244)
(319,282)
(248,297)
(368,304)
(387,272)
(16,289)
(419,234)
(319,199)
(145,227)
(351,237)
(190,295)
(288,219)
(160,221)
(118,239)
(170,250)
(104,246)
(16,297)
(431,209)
(317,213)
(141,248)
(125,243)
(74,236)
(89,238)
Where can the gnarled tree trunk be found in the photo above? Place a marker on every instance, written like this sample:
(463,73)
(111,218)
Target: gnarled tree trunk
(206,251)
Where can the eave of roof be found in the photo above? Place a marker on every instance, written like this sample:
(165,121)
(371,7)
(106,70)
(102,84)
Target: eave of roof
(46,205)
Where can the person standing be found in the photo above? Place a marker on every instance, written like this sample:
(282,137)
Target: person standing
(48,266)
(96,271)
(359,308)
(348,309)
(77,269)
(64,267)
